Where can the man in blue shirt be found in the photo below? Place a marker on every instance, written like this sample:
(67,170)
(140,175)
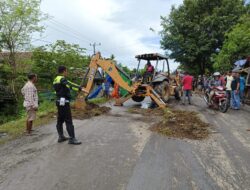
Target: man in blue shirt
(242,88)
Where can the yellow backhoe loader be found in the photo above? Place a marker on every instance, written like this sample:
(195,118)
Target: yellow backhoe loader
(137,89)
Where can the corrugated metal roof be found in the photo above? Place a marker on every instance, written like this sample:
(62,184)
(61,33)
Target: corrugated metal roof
(151,56)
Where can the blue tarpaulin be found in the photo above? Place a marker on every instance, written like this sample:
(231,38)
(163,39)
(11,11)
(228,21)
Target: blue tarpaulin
(240,63)
(95,93)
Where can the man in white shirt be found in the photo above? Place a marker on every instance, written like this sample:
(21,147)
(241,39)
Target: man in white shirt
(29,92)
(229,78)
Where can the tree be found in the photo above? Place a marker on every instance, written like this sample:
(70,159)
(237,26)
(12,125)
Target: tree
(112,57)
(236,45)
(19,19)
(47,59)
(195,30)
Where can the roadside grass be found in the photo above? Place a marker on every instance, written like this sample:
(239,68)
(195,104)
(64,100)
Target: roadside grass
(16,128)
(46,113)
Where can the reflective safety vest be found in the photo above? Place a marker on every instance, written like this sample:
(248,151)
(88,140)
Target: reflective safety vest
(62,87)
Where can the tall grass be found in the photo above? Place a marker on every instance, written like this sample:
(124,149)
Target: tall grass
(16,126)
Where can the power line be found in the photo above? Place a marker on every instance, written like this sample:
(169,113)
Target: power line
(67,28)
(66,33)
(70,32)
(62,28)
(41,39)
(54,21)
(76,33)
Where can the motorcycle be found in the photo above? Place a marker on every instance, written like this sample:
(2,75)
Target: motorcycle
(219,100)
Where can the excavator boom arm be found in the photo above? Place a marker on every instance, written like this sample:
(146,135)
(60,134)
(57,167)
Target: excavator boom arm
(110,68)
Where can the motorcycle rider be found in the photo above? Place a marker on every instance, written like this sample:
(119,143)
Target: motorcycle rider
(215,82)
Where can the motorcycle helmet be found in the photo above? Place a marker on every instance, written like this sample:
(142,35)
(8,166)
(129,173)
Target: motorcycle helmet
(216,74)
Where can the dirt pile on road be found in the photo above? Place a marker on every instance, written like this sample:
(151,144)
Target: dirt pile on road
(89,111)
(181,124)
(147,112)
(176,123)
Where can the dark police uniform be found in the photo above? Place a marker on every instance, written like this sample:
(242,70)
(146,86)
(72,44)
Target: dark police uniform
(62,87)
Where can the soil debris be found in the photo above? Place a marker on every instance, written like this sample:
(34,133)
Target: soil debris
(147,112)
(182,124)
(89,111)
(176,123)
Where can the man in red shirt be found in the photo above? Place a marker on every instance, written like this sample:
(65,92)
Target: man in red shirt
(187,87)
(149,68)
(148,75)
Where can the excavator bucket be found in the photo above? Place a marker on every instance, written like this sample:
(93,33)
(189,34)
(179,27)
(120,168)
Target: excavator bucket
(80,102)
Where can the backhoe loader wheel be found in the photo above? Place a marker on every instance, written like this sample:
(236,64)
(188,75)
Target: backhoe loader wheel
(138,98)
(163,90)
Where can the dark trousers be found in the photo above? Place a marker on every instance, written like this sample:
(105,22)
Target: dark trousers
(64,115)
(186,94)
(229,94)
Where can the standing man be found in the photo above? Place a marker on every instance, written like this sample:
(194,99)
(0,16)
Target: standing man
(187,82)
(235,94)
(29,92)
(62,87)
(229,78)
(242,87)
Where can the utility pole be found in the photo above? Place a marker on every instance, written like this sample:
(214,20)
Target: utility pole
(94,45)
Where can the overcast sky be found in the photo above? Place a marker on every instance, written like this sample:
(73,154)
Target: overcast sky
(122,27)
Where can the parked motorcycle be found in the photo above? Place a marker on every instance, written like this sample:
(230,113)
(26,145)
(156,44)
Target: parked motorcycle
(219,100)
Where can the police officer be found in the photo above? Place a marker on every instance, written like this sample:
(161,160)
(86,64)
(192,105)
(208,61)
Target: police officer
(62,87)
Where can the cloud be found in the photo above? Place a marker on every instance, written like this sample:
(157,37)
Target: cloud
(122,27)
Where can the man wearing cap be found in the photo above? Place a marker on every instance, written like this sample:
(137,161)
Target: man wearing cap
(62,87)
(214,83)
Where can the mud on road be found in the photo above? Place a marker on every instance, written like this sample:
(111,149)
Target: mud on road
(120,152)
(176,123)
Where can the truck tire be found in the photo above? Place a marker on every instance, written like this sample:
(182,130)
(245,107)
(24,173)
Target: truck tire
(138,98)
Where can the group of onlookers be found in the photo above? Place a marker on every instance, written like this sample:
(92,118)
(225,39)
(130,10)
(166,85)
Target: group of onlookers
(233,82)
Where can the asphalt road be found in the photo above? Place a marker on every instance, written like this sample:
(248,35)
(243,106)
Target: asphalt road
(119,152)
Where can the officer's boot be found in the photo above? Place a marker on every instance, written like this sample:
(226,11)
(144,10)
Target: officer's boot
(61,137)
(72,139)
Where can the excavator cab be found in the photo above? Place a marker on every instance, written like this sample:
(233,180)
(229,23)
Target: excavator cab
(159,77)
(154,64)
